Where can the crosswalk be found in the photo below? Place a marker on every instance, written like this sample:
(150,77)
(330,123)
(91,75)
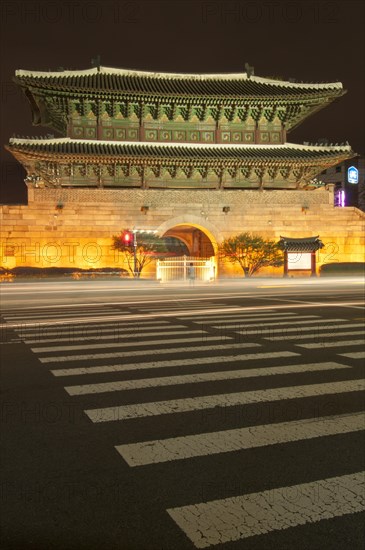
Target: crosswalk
(156,363)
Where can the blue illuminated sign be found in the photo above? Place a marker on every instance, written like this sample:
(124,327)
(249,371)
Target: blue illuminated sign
(353,175)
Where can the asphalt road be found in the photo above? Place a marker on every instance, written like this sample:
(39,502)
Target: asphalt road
(137,416)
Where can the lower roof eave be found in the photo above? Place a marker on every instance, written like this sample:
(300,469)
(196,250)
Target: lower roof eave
(105,151)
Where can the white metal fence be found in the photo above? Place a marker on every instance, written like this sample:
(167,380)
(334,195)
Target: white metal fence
(184,268)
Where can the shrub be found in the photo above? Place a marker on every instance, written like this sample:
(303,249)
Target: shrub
(342,268)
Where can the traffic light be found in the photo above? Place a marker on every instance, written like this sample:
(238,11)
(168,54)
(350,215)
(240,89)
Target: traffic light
(127,238)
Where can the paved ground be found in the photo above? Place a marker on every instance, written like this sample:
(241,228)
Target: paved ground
(141,417)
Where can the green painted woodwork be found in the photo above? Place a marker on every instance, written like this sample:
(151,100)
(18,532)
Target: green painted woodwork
(171,131)
(164,175)
(60,111)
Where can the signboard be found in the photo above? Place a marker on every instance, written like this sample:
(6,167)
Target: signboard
(352,175)
(299,260)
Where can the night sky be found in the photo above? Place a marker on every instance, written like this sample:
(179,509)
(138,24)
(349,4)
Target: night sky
(320,41)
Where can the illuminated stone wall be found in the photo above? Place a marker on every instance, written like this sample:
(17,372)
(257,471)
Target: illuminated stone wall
(74,228)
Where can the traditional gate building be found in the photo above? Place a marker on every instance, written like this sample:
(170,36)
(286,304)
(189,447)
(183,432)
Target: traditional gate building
(197,157)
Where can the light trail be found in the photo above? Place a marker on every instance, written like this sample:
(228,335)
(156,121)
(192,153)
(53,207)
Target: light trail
(177,313)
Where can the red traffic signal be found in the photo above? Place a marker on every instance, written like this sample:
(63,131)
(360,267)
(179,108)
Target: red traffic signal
(127,238)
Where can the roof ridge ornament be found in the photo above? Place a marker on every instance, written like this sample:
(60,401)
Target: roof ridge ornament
(250,70)
(96,62)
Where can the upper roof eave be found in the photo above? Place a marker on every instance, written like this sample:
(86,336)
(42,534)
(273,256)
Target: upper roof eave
(108,79)
(175,76)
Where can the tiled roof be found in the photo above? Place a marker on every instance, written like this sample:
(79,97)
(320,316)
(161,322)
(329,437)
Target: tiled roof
(307,244)
(128,81)
(286,151)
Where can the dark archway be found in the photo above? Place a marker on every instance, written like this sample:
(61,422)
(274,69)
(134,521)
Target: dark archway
(175,246)
(195,240)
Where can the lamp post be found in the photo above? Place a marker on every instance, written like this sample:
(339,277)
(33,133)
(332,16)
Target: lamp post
(135,253)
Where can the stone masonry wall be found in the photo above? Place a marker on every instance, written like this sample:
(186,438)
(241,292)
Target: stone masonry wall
(74,227)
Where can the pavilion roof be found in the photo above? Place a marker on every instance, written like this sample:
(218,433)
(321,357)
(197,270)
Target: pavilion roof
(235,85)
(305,244)
(287,152)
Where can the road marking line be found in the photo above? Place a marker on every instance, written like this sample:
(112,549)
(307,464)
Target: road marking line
(76,321)
(147,351)
(108,327)
(240,517)
(114,368)
(278,286)
(354,355)
(48,315)
(140,410)
(102,387)
(257,316)
(11,342)
(343,343)
(303,303)
(174,362)
(169,363)
(318,334)
(110,334)
(137,334)
(243,313)
(205,444)
(311,322)
(174,306)
(264,321)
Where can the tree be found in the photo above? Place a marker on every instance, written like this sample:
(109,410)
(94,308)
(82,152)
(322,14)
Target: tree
(148,248)
(251,252)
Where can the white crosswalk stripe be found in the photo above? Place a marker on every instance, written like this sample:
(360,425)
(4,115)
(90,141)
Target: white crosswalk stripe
(205,444)
(201,377)
(354,355)
(318,333)
(146,344)
(333,344)
(142,353)
(114,344)
(92,329)
(177,362)
(255,318)
(114,333)
(252,329)
(53,315)
(176,305)
(248,314)
(244,516)
(124,412)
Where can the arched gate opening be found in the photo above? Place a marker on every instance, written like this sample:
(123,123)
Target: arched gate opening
(196,241)
(198,260)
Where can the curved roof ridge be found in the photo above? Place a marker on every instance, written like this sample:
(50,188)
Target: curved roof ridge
(158,75)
